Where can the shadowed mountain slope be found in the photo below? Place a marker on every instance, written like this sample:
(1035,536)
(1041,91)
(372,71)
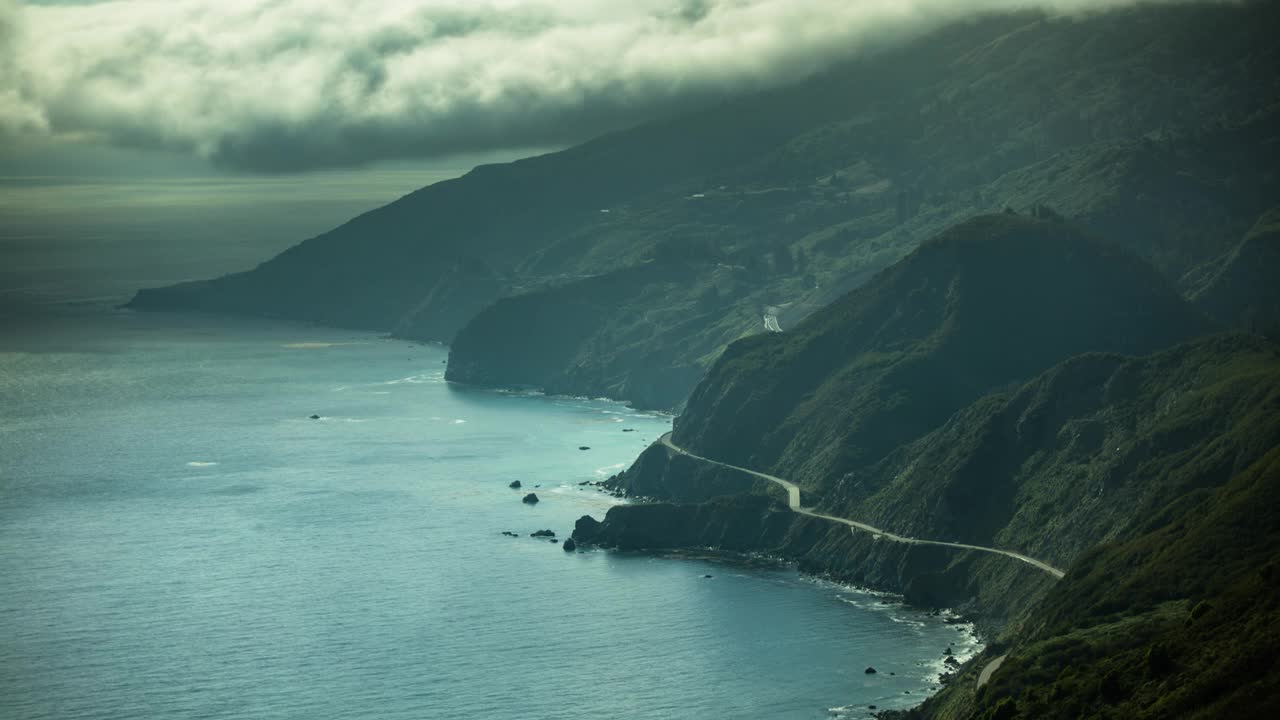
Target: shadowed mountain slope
(1177,623)
(1245,289)
(989,303)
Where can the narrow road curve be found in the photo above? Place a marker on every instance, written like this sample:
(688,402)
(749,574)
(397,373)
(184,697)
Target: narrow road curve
(991,667)
(793,500)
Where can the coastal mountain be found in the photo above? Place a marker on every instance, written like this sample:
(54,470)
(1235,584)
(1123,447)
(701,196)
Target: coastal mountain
(986,317)
(666,242)
(1012,384)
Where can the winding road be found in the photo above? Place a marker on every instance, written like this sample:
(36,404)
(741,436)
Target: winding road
(793,500)
(991,667)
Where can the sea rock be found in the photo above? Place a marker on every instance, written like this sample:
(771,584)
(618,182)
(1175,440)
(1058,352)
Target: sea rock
(543,533)
(530,499)
(628,430)
(515,485)
(947,651)
(952,661)
(870,670)
(508,533)
(586,530)
(315,417)
(554,541)
(570,545)
(584,447)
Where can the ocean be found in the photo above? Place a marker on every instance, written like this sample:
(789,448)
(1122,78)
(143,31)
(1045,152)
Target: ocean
(180,539)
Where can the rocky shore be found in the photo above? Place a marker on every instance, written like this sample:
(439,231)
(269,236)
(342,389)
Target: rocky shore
(991,591)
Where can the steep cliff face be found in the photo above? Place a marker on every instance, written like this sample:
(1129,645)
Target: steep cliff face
(1180,622)
(549,339)
(985,305)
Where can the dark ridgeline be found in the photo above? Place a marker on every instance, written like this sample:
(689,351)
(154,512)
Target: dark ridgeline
(1026,275)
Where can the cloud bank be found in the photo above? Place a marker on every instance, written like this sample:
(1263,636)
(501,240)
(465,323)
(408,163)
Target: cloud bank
(283,85)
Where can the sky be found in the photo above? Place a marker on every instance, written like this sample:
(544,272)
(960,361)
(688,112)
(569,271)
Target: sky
(251,124)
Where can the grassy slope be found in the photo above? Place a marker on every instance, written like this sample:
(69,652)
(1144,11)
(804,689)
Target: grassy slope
(1180,622)
(991,302)
(1088,452)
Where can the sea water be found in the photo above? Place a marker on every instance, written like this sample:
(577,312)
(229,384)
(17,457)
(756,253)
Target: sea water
(180,539)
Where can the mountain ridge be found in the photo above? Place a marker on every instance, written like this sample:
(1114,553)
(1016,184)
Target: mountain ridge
(793,196)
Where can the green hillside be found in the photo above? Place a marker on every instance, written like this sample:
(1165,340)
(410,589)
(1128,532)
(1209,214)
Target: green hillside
(1177,623)
(962,395)
(987,304)
(1087,453)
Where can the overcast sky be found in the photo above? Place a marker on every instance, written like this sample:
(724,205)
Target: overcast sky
(287,85)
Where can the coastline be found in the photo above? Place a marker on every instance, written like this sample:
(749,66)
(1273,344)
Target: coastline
(690,509)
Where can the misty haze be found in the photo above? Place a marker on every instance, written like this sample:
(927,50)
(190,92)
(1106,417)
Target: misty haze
(570,359)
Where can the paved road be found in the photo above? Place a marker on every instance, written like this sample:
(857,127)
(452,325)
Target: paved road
(793,500)
(991,667)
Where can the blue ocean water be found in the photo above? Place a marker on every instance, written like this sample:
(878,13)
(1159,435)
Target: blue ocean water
(178,539)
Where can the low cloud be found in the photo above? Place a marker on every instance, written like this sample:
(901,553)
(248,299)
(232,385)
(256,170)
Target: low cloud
(283,85)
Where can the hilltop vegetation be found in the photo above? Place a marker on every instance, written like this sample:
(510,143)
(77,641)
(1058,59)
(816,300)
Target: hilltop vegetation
(1137,125)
